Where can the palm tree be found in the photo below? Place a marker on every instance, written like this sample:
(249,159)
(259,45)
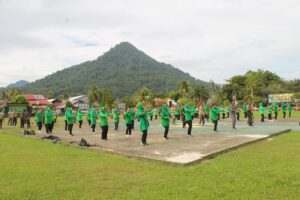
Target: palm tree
(184,88)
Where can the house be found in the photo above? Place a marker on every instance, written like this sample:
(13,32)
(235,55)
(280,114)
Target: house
(55,102)
(81,102)
(37,101)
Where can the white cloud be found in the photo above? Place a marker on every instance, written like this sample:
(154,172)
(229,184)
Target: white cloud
(209,39)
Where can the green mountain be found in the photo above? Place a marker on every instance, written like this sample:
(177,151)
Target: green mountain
(21,83)
(123,69)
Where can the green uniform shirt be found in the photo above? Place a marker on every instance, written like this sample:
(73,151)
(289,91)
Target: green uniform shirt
(214,114)
(188,112)
(165,115)
(39,117)
(143,118)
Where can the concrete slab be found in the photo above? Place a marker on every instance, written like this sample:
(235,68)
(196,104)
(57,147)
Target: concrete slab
(179,149)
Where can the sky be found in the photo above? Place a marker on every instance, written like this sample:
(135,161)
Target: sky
(209,39)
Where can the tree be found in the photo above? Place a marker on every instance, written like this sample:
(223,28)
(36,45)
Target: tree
(19,99)
(200,93)
(184,88)
(175,95)
(144,95)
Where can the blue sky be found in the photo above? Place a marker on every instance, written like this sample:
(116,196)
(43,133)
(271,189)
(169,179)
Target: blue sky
(211,40)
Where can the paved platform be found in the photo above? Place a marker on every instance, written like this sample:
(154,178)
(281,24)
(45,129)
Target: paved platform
(179,149)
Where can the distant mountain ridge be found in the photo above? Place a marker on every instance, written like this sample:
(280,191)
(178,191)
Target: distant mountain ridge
(20,83)
(123,69)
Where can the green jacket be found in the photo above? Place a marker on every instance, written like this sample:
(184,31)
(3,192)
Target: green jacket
(283,107)
(275,107)
(155,112)
(289,107)
(221,109)
(214,114)
(188,112)
(165,115)
(70,116)
(206,109)
(103,117)
(39,117)
(261,108)
(269,109)
(49,116)
(116,115)
(178,110)
(128,117)
(142,117)
(228,109)
(93,116)
(244,107)
(79,115)
(132,114)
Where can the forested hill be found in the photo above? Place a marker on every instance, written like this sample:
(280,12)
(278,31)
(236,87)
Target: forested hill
(123,69)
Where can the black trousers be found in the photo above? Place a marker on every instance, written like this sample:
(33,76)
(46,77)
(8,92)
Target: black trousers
(144,137)
(269,116)
(15,121)
(22,123)
(177,117)
(70,129)
(132,125)
(80,123)
(48,128)
(93,126)
(190,124)
(290,113)
(283,114)
(39,125)
(166,132)
(89,122)
(28,123)
(245,114)
(1,122)
(250,118)
(215,125)
(104,132)
(155,117)
(66,125)
(262,119)
(116,126)
(207,117)
(128,129)
(276,113)
(238,116)
(228,115)
(151,117)
(223,115)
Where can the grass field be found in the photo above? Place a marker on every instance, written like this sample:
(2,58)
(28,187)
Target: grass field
(36,169)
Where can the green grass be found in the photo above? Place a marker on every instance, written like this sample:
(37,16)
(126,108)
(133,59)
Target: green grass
(36,169)
(295,115)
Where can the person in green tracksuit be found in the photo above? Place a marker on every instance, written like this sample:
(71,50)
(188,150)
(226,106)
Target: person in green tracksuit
(93,118)
(227,110)
(245,110)
(48,120)
(275,107)
(39,120)
(116,118)
(178,112)
(128,121)
(65,118)
(222,111)
(289,109)
(132,117)
(88,117)
(206,112)
(214,115)
(283,109)
(79,117)
(142,116)
(262,112)
(70,120)
(165,119)
(155,113)
(269,109)
(188,118)
(103,115)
